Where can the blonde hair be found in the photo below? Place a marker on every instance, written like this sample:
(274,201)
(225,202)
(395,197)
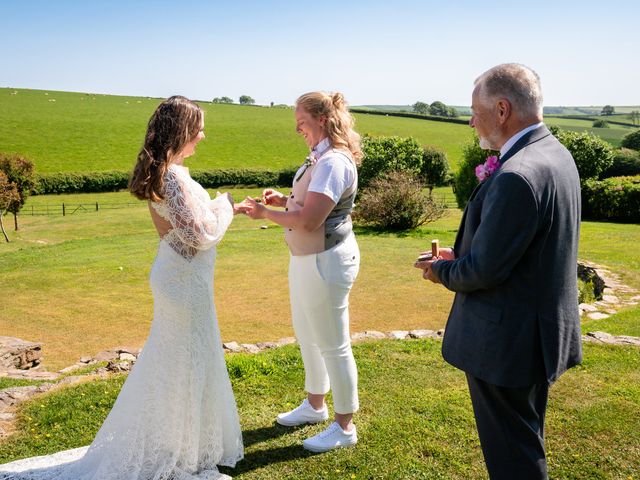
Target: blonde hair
(340,122)
(176,122)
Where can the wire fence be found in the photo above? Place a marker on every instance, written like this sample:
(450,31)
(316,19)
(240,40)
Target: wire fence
(70,208)
(64,209)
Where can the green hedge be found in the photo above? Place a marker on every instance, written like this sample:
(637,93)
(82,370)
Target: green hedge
(259,178)
(117,180)
(409,115)
(80,182)
(616,198)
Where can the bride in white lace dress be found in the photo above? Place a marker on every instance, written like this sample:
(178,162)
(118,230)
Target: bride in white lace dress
(176,416)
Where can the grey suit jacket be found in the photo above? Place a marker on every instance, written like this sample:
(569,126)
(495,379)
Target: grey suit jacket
(514,320)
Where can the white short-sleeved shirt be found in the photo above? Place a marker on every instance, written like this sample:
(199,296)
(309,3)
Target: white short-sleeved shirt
(333,174)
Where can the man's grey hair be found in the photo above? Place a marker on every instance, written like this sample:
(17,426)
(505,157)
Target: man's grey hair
(517,83)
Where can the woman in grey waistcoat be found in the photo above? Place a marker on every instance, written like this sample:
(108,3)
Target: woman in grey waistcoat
(323,265)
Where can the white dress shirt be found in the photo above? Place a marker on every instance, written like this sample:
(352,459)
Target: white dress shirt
(507,146)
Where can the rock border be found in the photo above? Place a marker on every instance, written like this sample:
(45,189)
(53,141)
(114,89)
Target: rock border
(121,359)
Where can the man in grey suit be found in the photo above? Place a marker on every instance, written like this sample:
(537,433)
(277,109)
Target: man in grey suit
(514,326)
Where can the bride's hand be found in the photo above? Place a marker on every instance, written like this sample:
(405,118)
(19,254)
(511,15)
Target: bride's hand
(254,209)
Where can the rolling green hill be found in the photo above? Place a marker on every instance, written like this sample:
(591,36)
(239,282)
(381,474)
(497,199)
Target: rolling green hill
(81,132)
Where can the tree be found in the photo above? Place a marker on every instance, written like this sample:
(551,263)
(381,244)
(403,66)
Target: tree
(222,100)
(608,110)
(452,112)
(421,108)
(435,167)
(438,109)
(635,117)
(8,195)
(19,171)
(246,100)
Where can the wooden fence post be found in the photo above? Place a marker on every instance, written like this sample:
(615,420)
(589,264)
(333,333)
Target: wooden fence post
(63,210)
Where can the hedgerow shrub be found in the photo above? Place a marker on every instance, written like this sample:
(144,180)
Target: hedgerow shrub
(117,180)
(80,182)
(626,162)
(396,201)
(616,198)
(591,154)
(385,154)
(631,140)
(259,178)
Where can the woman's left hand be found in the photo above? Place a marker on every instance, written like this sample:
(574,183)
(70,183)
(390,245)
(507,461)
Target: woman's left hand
(254,209)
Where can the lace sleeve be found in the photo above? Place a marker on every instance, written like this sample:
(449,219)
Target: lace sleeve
(198,222)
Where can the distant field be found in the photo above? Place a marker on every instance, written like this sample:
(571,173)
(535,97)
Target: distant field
(613,134)
(63,132)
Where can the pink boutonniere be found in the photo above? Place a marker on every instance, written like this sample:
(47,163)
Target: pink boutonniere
(486,169)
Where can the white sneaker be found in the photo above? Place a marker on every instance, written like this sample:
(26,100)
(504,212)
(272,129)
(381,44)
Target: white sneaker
(333,437)
(305,413)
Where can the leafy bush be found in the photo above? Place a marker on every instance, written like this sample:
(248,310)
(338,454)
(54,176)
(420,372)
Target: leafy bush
(396,201)
(585,292)
(382,155)
(615,198)
(626,162)
(116,180)
(435,168)
(591,154)
(465,180)
(600,124)
(631,140)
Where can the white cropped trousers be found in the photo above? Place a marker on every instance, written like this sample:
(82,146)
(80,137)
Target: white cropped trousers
(319,286)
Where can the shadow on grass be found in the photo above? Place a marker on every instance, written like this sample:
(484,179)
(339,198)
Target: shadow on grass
(262,458)
(259,435)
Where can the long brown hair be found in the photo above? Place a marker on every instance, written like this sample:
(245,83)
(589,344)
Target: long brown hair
(176,122)
(340,122)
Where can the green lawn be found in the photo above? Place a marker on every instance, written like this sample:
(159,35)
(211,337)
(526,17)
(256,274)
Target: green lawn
(79,283)
(84,132)
(415,421)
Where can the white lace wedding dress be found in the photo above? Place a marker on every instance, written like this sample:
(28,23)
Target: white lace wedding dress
(176,416)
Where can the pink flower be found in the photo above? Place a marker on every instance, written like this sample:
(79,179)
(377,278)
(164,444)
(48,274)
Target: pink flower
(485,170)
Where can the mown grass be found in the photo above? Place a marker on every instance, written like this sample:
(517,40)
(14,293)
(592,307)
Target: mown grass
(626,322)
(80,283)
(88,132)
(415,422)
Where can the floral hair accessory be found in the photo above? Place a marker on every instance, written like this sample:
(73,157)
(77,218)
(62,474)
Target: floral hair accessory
(486,169)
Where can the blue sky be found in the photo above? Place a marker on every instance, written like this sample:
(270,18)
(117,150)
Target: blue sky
(375,52)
